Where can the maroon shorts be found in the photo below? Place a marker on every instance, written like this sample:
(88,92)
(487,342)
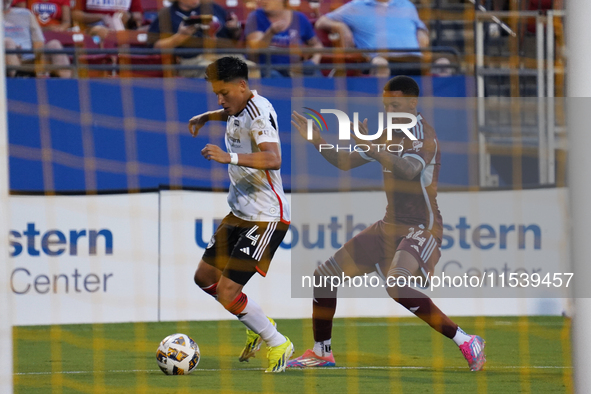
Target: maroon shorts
(373,249)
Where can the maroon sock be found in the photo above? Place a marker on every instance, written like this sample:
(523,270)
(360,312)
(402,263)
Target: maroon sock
(422,306)
(323,307)
(322,313)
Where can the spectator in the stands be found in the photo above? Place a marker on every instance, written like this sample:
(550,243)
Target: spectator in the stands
(53,15)
(99,17)
(220,30)
(21,31)
(379,24)
(274,25)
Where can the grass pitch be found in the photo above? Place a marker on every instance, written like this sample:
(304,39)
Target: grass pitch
(525,354)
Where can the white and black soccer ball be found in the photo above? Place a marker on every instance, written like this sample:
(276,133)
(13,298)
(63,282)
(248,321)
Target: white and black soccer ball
(178,354)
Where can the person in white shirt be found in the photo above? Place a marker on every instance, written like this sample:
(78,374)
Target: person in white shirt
(249,235)
(22,31)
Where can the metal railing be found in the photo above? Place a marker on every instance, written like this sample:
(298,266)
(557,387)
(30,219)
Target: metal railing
(339,57)
(545,74)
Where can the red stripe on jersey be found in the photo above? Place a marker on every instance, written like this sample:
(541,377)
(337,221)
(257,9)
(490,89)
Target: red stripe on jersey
(260,271)
(276,195)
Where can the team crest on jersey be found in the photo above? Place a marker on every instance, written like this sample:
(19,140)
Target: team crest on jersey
(236,128)
(45,11)
(234,135)
(257,124)
(416,145)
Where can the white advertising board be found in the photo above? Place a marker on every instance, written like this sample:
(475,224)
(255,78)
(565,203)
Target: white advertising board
(83,259)
(538,239)
(117,258)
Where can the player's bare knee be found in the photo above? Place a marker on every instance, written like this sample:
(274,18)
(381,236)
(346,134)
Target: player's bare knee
(198,279)
(206,275)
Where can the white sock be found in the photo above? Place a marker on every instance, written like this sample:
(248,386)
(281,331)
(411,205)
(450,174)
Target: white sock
(323,349)
(253,317)
(461,337)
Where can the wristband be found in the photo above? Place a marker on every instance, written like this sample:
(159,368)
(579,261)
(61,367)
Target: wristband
(234,158)
(366,156)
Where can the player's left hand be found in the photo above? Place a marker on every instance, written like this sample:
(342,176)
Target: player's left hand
(215,153)
(362,130)
(301,124)
(362,127)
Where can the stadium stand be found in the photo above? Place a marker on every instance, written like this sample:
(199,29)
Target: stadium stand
(453,40)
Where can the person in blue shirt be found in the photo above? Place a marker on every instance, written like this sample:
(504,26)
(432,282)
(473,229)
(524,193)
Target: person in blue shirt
(274,25)
(374,24)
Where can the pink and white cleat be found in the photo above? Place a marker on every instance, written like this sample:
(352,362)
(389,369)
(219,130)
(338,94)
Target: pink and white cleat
(473,351)
(310,360)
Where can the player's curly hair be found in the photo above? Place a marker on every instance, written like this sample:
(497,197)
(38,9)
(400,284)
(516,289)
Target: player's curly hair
(227,69)
(408,86)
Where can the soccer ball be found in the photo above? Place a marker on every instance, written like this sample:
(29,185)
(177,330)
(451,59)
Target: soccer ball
(177,354)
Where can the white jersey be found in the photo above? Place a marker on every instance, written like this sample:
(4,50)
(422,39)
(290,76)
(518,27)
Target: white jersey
(255,195)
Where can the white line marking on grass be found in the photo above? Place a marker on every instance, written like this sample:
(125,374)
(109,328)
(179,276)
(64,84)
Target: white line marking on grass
(531,323)
(452,368)
(376,367)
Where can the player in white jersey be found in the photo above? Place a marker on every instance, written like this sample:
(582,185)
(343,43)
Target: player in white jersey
(249,235)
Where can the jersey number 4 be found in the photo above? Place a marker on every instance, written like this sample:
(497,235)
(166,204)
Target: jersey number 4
(250,235)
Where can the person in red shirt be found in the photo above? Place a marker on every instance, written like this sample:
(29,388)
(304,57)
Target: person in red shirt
(100,16)
(22,31)
(54,15)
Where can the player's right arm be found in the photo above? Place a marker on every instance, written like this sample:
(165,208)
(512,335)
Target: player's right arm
(342,160)
(198,121)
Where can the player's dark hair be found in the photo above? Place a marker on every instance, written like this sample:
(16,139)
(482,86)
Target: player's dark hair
(227,69)
(408,86)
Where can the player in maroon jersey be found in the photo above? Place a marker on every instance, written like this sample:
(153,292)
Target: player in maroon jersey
(405,243)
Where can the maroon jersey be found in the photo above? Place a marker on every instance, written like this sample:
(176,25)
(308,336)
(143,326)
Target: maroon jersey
(414,202)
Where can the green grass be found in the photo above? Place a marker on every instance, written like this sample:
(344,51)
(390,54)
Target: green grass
(530,355)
